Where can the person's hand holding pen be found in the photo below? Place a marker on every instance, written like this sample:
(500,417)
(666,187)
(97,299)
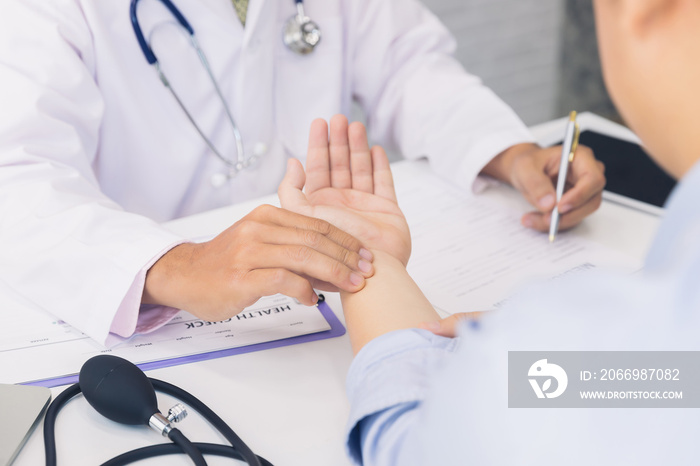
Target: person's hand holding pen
(533,171)
(448,327)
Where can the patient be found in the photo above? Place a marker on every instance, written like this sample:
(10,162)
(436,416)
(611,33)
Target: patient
(418,398)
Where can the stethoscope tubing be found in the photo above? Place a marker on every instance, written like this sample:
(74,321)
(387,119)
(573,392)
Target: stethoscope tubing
(310,36)
(143,43)
(234,165)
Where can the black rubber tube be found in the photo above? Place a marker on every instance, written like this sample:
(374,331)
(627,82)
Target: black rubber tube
(190,450)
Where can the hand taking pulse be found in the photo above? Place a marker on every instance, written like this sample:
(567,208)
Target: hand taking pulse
(349,185)
(269,251)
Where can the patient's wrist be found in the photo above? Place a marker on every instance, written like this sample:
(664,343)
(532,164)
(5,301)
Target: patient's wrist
(387,261)
(390,300)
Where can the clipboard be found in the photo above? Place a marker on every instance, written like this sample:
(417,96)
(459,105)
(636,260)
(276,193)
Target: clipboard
(336,330)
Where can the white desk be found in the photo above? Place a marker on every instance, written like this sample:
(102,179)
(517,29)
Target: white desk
(287,403)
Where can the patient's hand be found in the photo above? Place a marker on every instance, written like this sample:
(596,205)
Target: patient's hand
(348,185)
(449,326)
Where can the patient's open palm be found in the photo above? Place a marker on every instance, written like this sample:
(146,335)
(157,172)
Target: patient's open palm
(350,186)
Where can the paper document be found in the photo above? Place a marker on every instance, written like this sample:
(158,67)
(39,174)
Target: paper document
(39,347)
(471,254)
(468,255)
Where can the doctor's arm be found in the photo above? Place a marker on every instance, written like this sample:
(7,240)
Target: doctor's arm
(269,251)
(72,251)
(420,100)
(66,247)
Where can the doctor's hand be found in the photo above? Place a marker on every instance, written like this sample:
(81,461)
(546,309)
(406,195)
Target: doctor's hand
(269,251)
(349,185)
(533,171)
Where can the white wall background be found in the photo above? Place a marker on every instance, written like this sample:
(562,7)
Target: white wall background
(513,45)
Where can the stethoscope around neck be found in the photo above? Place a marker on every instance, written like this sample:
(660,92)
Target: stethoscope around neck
(301,35)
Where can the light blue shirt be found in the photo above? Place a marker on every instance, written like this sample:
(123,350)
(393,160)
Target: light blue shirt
(418,399)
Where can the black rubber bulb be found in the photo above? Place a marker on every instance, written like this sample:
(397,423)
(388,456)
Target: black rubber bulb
(118,390)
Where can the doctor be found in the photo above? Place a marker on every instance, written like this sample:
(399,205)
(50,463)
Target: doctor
(95,150)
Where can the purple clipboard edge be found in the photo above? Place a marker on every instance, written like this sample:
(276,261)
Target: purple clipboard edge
(337,330)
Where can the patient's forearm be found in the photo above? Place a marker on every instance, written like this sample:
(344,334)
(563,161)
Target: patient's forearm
(390,300)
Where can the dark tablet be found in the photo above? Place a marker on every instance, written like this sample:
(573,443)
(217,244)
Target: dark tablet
(630,172)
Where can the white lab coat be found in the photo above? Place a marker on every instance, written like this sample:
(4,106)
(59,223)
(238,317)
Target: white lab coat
(94,151)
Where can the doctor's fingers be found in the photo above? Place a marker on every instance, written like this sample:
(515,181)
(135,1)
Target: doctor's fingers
(540,221)
(339,147)
(285,218)
(318,171)
(587,177)
(308,262)
(267,282)
(300,243)
(360,159)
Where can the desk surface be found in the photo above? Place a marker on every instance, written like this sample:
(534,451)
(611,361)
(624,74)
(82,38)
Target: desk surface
(287,403)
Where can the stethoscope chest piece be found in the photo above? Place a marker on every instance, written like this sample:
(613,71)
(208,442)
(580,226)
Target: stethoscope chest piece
(301,34)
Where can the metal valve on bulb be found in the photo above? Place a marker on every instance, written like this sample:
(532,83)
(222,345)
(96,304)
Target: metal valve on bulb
(162,424)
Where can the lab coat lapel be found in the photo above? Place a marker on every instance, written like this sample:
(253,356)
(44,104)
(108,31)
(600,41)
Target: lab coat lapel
(254,18)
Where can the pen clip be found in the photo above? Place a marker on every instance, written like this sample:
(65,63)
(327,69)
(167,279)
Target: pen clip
(574,144)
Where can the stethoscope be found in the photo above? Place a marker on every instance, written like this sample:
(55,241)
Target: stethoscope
(300,34)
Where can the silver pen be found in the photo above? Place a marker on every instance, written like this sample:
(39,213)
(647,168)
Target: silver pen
(567,156)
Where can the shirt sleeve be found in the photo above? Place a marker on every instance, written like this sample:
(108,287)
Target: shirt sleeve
(417,399)
(66,247)
(417,96)
(133,317)
(386,384)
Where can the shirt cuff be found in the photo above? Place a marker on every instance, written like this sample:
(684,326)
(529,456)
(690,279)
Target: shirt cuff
(392,369)
(484,152)
(484,182)
(132,317)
